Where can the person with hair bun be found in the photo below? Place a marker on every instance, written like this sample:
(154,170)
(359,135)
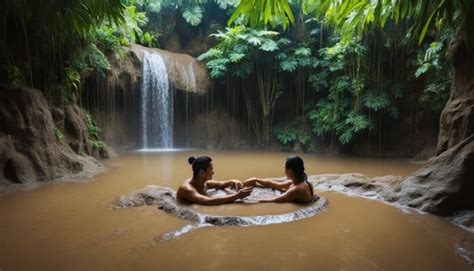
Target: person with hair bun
(194,188)
(296,189)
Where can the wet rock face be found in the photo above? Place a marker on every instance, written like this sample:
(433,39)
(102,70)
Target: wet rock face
(113,99)
(381,188)
(184,72)
(77,134)
(457,122)
(464,219)
(465,249)
(29,150)
(75,130)
(445,184)
(457,118)
(214,130)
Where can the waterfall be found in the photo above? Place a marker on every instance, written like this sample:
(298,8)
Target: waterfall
(157,104)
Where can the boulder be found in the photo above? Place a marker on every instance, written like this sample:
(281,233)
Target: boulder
(445,183)
(464,219)
(381,188)
(465,249)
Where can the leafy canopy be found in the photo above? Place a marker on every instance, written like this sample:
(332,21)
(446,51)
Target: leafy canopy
(348,15)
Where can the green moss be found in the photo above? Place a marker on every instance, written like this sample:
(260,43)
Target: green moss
(58,133)
(94,131)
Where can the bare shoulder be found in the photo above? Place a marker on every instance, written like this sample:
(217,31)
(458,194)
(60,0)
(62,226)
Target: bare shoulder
(184,190)
(295,190)
(302,187)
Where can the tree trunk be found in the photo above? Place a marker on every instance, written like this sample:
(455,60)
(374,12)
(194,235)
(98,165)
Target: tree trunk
(457,118)
(445,183)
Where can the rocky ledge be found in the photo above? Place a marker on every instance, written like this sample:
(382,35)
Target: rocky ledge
(165,199)
(40,144)
(444,185)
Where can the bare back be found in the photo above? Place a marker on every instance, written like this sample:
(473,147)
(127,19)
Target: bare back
(302,192)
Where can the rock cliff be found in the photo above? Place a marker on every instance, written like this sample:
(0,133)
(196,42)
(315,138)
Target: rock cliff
(35,147)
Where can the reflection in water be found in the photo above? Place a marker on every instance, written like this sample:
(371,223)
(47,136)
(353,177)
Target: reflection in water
(72,225)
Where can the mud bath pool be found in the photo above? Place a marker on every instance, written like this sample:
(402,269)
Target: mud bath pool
(71,225)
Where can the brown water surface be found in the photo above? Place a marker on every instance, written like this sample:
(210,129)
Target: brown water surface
(71,225)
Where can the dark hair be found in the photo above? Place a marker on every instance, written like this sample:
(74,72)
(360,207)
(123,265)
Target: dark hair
(295,163)
(202,162)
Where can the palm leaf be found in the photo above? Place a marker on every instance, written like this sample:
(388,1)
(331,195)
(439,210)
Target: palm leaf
(269,46)
(193,15)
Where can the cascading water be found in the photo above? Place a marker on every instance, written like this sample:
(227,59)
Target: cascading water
(157,104)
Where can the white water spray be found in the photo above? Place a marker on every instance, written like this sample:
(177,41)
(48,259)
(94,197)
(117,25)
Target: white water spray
(157,104)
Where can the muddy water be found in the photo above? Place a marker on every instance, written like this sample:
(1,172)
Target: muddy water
(72,225)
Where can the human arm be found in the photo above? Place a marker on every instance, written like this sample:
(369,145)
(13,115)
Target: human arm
(290,195)
(280,185)
(195,197)
(236,184)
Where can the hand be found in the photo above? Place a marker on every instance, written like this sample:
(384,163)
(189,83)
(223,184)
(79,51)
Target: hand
(236,184)
(244,192)
(250,182)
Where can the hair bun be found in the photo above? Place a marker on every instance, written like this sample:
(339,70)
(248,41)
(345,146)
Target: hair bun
(191,160)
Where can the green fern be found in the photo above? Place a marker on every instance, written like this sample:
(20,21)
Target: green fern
(58,134)
(264,33)
(357,122)
(256,41)
(376,102)
(224,4)
(217,67)
(346,136)
(236,57)
(243,70)
(154,7)
(303,51)
(288,65)
(283,42)
(434,49)
(422,69)
(211,54)
(193,15)
(269,46)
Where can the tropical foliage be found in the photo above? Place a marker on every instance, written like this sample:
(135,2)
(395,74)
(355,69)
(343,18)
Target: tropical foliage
(359,15)
(354,92)
(344,68)
(434,67)
(295,133)
(242,53)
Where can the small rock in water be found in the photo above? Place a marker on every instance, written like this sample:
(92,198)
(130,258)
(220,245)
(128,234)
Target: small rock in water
(465,219)
(465,249)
